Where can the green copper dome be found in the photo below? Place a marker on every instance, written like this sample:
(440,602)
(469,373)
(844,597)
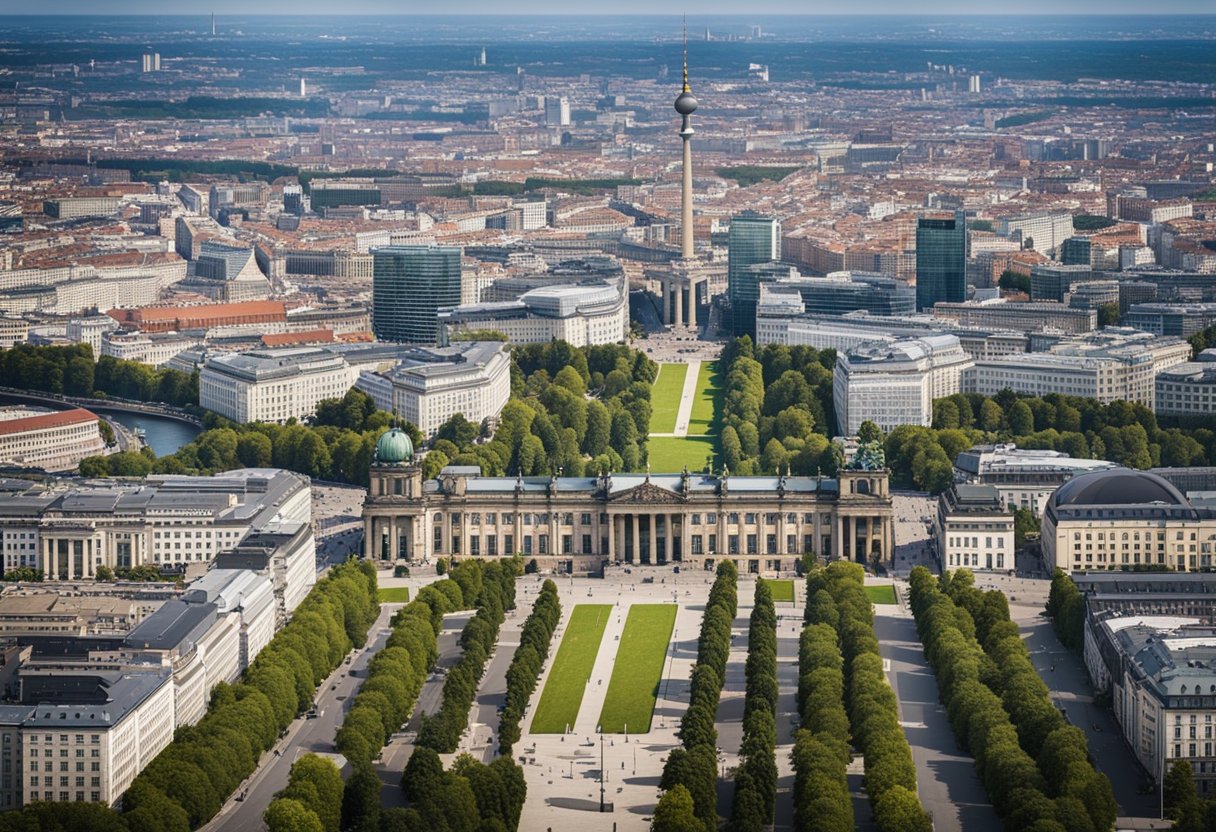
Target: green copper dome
(394,447)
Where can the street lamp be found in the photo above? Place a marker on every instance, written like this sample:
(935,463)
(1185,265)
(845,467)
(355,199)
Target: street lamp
(600,728)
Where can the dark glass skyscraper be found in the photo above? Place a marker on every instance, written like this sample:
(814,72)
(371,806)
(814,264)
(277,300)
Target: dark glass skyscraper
(941,260)
(754,238)
(410,284)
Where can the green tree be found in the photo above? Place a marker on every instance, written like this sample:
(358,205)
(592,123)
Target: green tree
(287,815)
(675,812)
(1021,420)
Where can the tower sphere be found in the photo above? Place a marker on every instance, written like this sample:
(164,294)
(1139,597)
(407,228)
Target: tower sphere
(686,103)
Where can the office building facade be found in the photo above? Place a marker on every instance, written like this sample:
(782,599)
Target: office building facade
(941,260)
(410,284)
(753,239)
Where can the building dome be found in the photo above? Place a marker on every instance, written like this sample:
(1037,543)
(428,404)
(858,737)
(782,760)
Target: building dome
(1117,487)
(686,103)
(394,448)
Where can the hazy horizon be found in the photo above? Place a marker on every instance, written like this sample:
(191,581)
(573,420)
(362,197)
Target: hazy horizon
(639,8)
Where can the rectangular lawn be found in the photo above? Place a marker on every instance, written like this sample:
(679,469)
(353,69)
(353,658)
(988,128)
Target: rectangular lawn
(665,397)
(563,693)
(394,594)
(634,686)
(705,400)
(782,590)
(881,593)
(669,454)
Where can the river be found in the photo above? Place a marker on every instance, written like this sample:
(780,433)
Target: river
(164,436)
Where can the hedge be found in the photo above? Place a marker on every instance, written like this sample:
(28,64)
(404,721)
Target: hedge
(821,746)
(695,765)
(469,797)
(1034,766)
(527,663)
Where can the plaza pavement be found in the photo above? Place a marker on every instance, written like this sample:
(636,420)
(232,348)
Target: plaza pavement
(562,771)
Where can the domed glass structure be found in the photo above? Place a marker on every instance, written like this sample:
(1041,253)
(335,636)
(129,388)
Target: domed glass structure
(394,448)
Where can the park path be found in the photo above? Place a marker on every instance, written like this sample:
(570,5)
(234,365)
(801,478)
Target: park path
(597,686)
(684,414)
(946,779)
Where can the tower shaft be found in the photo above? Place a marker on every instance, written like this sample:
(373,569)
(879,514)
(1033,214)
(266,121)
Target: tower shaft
(686,229)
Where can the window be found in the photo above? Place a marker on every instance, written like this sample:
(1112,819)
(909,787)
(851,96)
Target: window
(732,544)
(586,544)
(751,544)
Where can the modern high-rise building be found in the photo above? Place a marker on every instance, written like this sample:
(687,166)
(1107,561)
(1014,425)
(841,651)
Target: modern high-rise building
(753,239)
(557,111)
(941,260)
(410,284)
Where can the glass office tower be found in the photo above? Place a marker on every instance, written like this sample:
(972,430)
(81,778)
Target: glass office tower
(754,238)
(941,260)
(410,284)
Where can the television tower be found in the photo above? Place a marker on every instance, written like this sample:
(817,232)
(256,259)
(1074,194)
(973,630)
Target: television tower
(686,105)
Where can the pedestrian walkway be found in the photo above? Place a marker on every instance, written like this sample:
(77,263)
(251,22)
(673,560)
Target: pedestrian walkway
(684,415)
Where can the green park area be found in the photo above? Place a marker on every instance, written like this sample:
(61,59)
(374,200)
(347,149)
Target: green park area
(709,388)
(881,594)
(394,594)
(669,454)
(636,675)
(782,590)
(563,693)
(665,397)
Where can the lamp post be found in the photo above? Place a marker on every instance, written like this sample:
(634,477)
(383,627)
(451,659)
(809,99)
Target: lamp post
(600,728)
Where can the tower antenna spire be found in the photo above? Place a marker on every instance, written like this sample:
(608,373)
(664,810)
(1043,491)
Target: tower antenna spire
(686,87)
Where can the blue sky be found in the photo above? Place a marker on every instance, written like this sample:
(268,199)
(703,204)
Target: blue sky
(244,7)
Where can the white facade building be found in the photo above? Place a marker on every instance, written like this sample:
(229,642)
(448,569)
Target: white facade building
(431,385)
(90,331)
(580,314)
(895,384)
(53,440)
(157,349)
(974,529)
(272,385)
(1024,478)
(1189,388)
(1108,366)
(167,521)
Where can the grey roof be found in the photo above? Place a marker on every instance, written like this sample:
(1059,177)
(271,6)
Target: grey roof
(621,483)
(1117,487)
(175,624)
(97,700)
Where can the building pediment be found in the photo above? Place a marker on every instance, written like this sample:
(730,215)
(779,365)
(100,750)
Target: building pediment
(649,494)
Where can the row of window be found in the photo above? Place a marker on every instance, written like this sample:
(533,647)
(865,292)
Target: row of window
(539,544)
(567,518)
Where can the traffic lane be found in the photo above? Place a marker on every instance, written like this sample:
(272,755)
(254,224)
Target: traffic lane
(303,736)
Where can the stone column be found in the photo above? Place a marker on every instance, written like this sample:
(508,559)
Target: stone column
(519,534)
(664,307)
(637,539)
(679,303)
(392,538)
(367,536)
(692,304)
(838,537)
(723,549)
(611,553)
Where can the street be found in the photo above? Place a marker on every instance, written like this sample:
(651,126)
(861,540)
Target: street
(304,735)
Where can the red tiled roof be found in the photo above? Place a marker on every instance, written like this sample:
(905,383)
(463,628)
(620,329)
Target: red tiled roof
(45,421)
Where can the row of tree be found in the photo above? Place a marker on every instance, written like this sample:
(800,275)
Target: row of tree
(1066,607)
(690,797)
(394,679)
(527,663)
(776,409)
(311,801)
(872,707)
(185,785)
(491,586)
(1121,432)
(1035,767)
(756,777)
(821,747)
(71,371)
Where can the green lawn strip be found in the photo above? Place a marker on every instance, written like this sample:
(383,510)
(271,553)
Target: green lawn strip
(782,590)
(881,593)
(704,403)
(665,397)
(634,686)
(669,454)
(394,594)
(563,693)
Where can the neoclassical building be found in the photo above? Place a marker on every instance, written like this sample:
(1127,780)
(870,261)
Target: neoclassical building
(580,524)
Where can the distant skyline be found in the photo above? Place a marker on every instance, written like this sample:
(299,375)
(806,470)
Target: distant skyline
(624,7)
